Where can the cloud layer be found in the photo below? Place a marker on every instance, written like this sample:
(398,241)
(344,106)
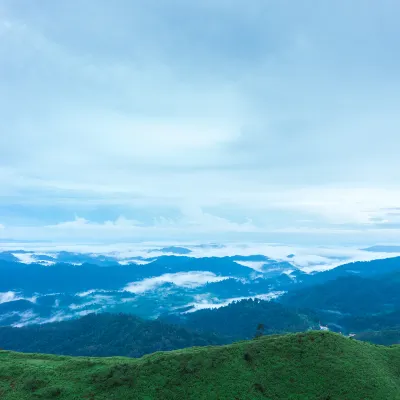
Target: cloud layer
(190,279)
(144,119)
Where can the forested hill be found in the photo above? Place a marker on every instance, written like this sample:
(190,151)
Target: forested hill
(239,320)
(350,294)
(103,335)
(315,365)
(383,337)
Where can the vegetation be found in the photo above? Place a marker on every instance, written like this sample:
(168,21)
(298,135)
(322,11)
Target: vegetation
(103,335)
(315,365)
(351,294)
(231,287)
(239,320)
(386,338)
(365,269)
(377,322)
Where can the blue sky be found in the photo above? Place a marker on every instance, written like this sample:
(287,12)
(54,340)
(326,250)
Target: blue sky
(208,120)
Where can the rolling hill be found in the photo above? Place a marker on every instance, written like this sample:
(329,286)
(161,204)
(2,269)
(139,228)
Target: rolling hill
(316,365)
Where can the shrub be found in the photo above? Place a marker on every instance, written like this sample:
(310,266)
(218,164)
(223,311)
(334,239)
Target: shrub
(32,384)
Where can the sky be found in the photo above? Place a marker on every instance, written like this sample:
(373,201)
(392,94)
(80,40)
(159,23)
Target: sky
(216,120)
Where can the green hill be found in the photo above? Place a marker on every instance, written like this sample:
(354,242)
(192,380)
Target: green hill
(314,365)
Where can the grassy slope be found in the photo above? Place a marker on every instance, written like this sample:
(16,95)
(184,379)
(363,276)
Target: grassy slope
(315,365)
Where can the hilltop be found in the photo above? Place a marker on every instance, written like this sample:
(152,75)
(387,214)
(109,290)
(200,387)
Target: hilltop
(314,365)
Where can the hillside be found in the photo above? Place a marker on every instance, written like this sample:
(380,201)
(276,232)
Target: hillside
(385,338)
(316,365)
(350,294)
(239,320)
(377,322)
(103,335)
(364,269)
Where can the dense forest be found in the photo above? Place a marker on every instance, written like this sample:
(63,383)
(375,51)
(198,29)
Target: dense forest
(240,320)
(103,335)
(383,337)
(350,295)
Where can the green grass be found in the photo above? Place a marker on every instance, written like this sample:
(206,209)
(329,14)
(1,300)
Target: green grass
(314,365)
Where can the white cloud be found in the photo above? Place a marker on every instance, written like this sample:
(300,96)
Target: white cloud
(256,265)
(96,300)
(25,258)
(30,318)
(183,279)
(6,297)
(308,258)
(26,318)
(205,303)
(194,220)
(90,292)
(242,108)
(82,223)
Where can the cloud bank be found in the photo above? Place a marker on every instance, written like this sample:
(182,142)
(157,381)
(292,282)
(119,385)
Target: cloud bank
(190,279)
(194,119)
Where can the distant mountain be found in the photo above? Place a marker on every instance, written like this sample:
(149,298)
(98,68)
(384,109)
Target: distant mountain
(386,338)
(383,249)
(8,256)
(13,312)
(352,294)
(19,306)
(375,322)
(68,278)
(236,288)
(103,335)
(240,320)
(315,365)
(254,258)
(81,258)
(217,265)
(66,291)
(172,250)
(58,257)
(361,268)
